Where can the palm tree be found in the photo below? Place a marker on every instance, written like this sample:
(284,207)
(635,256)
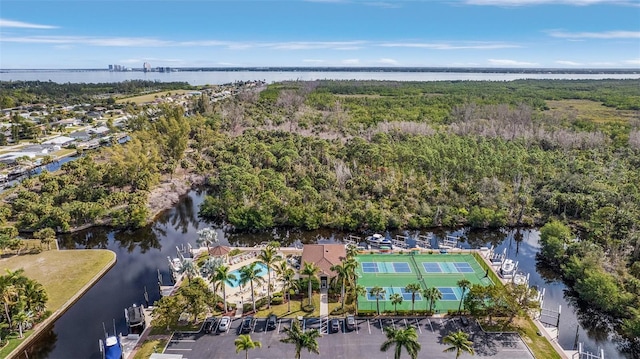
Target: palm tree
(310,270)
(269,257)
(244,342)
(10,296)
(343,275)
(210,265)
(286,275)
(207,236)
(459,342)
(251,274)
(223,277)
(431,295)
(407,338)
(188,267)
(358,290)
(396,298)
(21,318)
(377,292)
(302,340)
(413,288)
(464,285)
(352,251)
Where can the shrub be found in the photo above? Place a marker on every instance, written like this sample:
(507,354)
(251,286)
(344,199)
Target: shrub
(277,300)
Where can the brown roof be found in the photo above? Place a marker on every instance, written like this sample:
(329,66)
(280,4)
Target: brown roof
(219,251)
(324,256)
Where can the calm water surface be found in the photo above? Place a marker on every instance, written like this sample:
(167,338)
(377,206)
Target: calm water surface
(141,253)
(222,77)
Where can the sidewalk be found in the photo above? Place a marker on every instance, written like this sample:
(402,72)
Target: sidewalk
(324,303)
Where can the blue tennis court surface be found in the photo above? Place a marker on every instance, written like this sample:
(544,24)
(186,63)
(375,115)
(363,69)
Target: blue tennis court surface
(463,267)
(384,296)
(388,291)
(385,267)
(449,293)
(432,267)
(407,295)
(401,267)
(370,267)
(447,267)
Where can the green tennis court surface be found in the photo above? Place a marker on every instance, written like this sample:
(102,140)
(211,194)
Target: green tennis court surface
(393,272)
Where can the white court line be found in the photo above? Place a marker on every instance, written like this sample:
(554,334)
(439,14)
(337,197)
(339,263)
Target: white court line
(431,325)
(369,325)
(418,325)
(183,341)
(179,349)
(279,323)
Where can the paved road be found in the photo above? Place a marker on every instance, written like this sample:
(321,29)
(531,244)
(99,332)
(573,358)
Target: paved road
(364,342)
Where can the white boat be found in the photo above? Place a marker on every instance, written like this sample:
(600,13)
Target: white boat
(507,268)
(378,239)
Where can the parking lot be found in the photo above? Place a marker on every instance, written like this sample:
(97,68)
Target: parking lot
(363,341)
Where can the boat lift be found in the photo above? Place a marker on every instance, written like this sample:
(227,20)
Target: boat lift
(424,241)
(400,241)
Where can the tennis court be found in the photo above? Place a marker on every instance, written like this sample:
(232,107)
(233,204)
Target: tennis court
(393,272)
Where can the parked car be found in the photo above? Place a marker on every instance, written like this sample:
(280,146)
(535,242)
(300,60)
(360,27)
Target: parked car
(335,325)
(351,322)
(271,322)
(246,325)
(208,325)
(225,322)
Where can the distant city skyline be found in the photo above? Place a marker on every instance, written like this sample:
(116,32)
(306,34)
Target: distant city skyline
(53,34)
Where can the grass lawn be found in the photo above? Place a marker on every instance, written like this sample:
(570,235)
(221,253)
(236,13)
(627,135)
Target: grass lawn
(150,97)
(77,267)
(149,347)
(587,110)
(296,308)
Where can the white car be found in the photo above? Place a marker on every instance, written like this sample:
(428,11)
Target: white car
(224,324)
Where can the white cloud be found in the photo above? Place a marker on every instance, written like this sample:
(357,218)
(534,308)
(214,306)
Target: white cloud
(602,63)
(351,61)
(568,63)
(550,2)
(313,61)
(632,62)
(24,25)
(385,5)
(388,61)
(504,62)
(93,41)
(596,35)
(314,45)
(448,46)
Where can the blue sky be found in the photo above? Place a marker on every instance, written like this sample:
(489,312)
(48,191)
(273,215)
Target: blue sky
(216,33)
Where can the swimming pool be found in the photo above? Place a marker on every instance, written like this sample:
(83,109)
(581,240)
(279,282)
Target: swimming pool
(236,273)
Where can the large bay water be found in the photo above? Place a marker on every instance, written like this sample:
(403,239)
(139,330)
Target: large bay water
(141,253)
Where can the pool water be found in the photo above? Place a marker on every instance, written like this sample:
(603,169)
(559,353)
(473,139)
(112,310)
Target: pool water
(236,282)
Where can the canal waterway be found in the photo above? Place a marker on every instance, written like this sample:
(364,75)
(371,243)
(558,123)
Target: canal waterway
(141,253)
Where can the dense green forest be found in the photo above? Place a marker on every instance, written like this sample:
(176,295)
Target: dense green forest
(368,155)
(17,93)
